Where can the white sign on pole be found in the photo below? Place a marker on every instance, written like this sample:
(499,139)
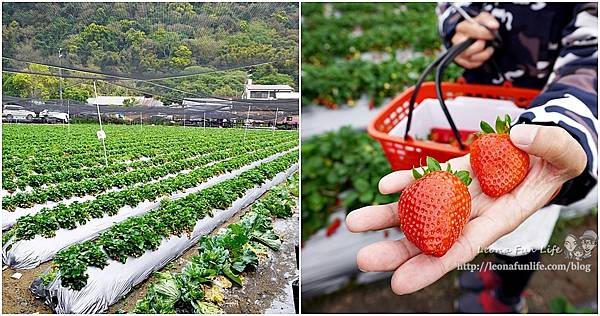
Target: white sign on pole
(101,135)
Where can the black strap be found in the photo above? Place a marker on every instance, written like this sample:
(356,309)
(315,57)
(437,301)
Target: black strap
(444,59)
(456,50)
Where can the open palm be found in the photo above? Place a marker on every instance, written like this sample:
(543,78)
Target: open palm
(491,218)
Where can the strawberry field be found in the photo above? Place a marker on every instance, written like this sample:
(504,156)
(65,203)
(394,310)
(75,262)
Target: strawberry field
(101,222)
(353,50)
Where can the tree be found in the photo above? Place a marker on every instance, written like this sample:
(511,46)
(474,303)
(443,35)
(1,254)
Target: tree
(31,86)
(131,102)
(182,57)
(76,93)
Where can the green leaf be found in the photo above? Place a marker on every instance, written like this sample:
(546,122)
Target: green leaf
(464,176)
(432,164)
(486,128)
(416,174)
(234,277)
(499,125)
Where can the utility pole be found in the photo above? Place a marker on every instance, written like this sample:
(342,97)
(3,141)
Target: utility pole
(246,123)
(101,134)
(60,74)
(275,123)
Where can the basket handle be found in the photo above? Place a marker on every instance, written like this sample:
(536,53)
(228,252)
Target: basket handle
(413,96)
(441,63)
(438,84)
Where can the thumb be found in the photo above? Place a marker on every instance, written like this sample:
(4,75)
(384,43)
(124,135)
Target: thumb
(553,144)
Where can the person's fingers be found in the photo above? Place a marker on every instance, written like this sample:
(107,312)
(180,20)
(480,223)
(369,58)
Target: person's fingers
(385,255)
(395,181)
(373,218)
(466,63)
(488,20)
(457,38)
(473,30)
(475,48)
(422,270)
(482,55)
(553,144)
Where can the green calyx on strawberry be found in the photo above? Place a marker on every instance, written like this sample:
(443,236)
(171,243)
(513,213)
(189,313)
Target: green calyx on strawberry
(498,164)
(434,165)
(434,209)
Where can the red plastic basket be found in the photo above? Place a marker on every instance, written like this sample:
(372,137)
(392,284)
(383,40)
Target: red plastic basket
(406,154)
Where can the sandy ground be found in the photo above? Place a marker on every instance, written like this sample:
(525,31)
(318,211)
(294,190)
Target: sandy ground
(578,287)
(267,289)
(16,297)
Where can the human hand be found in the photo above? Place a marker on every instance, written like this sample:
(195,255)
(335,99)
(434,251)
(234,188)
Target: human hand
(477,53)
(555,157)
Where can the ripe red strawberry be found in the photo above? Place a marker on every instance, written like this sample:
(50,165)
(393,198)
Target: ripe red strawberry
(434,209)
(497,163)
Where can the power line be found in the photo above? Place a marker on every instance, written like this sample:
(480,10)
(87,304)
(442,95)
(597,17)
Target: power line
(121,77)
(16,71)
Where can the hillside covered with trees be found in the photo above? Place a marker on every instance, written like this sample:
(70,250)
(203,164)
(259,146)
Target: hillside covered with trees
(222,41)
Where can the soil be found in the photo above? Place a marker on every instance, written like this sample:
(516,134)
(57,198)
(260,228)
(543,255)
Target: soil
(16,297)
(265,290)
(580,288)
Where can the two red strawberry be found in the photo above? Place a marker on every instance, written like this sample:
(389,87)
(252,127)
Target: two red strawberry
(434,209)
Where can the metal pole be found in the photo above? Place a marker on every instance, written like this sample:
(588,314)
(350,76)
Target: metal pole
(60,81)
(204,120)
(100,121)
(246,123)
(275,123)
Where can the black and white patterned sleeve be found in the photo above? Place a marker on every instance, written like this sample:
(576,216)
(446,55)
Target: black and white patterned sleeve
(570,99)
(448,18)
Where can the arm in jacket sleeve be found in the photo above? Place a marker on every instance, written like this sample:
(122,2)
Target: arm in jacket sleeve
(570,98)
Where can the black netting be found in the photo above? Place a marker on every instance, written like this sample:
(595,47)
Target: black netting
(195,58)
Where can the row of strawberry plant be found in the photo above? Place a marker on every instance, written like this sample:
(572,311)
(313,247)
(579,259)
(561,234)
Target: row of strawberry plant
(44,164)
(16,153)
(61,141)
(191,150)
(135,236)
(344,82)
(68,190)
(343,31)
(46,222)
(340,168)
(79,174)
(221,259)
(55,138)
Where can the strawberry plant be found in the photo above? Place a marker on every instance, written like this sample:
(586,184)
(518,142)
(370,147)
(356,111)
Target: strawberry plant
(335,39)
(43,223)
(340,168)
(229,253)
(136,235)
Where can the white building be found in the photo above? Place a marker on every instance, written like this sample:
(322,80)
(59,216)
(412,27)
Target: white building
(264,91)
(120,100)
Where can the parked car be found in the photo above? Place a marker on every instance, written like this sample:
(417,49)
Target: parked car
(54,116)
(12,111)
